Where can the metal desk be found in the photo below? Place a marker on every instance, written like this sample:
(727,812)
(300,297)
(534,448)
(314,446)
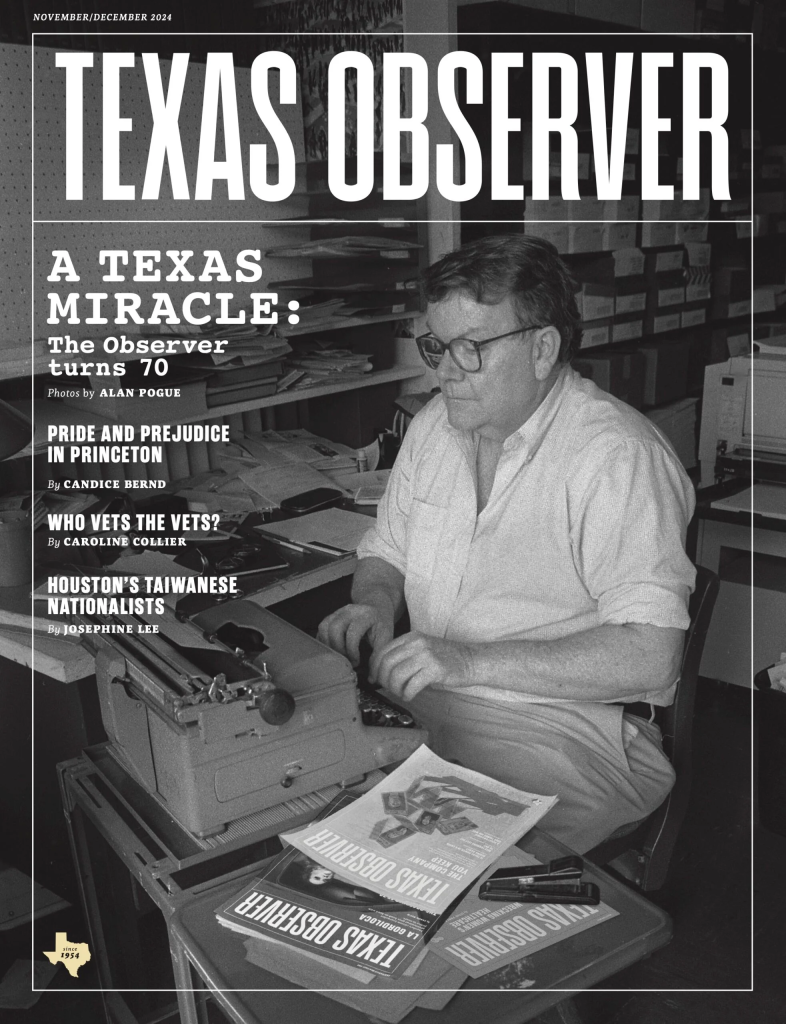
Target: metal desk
(136,866)
(144,880)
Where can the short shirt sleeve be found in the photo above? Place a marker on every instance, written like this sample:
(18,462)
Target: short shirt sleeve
(630,512)
(388,538)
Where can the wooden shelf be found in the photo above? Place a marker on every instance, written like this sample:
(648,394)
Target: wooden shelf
(303,394)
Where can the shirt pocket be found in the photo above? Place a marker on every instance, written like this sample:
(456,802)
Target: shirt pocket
(425,526)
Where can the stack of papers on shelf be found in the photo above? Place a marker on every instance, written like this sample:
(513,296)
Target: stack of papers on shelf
(348,246)
(238,381)
(335,313)
(315,316)
(347,280)
(262,470)
(324,363)
(301,445)
(331,361)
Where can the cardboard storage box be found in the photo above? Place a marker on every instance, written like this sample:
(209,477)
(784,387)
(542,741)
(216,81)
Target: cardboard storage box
(596,333)
(618,236)
(658,233)
(627,328)
(557,234)
(694,314)
(595,301)
(661,321)
(663,261)
(628,262)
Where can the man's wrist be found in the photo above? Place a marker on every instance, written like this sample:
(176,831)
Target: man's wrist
(378,599)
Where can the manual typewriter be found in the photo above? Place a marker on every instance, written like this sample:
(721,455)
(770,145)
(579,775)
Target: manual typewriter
(231,710)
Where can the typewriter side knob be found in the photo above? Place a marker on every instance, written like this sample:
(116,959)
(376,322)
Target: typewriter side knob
(275,706)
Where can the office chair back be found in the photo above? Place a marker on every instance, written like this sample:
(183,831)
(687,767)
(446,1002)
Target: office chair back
(654,837)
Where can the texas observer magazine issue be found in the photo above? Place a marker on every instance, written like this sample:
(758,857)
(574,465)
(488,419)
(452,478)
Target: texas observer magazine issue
(214,221)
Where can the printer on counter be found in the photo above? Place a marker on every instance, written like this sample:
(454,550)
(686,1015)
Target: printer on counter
(744,416)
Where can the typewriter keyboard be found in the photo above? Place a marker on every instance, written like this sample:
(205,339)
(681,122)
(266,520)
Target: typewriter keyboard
(375,710)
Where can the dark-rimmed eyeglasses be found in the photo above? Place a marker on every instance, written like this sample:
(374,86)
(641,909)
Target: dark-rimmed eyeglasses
(464,352)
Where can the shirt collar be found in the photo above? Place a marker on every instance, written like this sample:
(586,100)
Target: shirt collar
(530,435)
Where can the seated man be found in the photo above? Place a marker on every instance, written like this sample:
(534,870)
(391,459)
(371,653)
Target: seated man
(533,527)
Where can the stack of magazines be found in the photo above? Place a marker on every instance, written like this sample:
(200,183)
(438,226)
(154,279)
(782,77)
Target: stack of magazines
(250,366)
(349,247)
(353,903)
(325,363)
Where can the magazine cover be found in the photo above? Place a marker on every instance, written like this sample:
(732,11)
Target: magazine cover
(480,937)
(425,833)
(216,221)
(299,901)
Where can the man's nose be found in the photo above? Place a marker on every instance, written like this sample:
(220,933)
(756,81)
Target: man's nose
(447,369)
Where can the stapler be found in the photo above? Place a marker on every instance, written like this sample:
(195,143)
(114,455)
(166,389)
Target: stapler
(559,881)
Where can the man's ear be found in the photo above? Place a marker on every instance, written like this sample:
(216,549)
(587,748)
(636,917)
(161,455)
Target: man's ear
(545,351)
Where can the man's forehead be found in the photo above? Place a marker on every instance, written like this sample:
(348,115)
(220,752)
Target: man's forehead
(460,312)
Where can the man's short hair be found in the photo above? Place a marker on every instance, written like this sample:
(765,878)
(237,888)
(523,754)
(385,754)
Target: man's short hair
(526,268)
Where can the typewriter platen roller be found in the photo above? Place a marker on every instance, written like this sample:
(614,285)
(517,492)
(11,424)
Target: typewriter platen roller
(234,710)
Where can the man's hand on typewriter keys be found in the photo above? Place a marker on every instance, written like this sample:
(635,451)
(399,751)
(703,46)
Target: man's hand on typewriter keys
(411,662)
(345,628)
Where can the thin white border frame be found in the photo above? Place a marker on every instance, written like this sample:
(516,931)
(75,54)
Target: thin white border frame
(639,34)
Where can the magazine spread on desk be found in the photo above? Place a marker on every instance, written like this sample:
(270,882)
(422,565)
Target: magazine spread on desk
(423,834)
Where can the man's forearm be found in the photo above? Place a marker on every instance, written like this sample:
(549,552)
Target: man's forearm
(380,584)
(606,663)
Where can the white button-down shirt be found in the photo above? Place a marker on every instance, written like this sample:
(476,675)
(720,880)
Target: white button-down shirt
(585,525)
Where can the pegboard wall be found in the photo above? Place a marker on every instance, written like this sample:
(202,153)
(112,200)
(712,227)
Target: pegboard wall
(15,194)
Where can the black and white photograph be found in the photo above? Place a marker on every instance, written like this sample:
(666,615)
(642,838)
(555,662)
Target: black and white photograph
(386,380)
